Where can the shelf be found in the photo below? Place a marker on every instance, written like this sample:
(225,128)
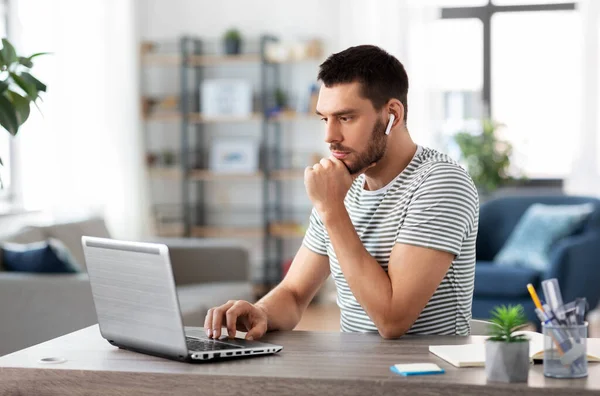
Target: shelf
(208,60)
(229,232)
(161,59)
(185,168)
(293,116)
(170,230)
(200,119)
(287,230)
(163,117)
(164,172)
(155,59)
(207,175)
(281,230)
(197,118)
(287,174)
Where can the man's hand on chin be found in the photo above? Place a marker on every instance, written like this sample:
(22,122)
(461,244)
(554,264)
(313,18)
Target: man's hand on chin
(327,183)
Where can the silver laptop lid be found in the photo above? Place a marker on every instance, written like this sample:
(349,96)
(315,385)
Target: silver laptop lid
(134,294)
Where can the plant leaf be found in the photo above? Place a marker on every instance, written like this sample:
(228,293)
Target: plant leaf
(40,86)
(28,87)
(21,105)
(3,86)
(486,156)
(507,320)
(8,116)
(38,54)
(25,62)
(9,55)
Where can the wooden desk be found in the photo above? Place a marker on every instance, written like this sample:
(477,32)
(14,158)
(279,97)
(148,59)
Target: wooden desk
(312,363)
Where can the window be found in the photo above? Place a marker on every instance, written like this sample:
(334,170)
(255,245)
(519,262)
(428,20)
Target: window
(455,72)
(536,87)
(531,79)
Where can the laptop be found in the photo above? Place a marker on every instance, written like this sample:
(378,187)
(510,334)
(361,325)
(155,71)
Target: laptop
(137,306)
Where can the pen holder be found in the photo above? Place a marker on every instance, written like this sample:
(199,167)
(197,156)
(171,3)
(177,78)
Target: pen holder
(565,351)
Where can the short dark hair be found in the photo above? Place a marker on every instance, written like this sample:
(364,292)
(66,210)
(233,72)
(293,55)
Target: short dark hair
(381,76)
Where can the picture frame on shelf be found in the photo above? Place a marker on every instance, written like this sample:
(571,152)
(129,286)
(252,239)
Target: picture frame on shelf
(229,155)
(225,97)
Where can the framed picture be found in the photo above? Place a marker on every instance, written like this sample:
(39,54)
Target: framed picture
(239,155)
(226,97)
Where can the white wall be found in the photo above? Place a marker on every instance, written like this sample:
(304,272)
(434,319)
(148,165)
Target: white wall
(162,19)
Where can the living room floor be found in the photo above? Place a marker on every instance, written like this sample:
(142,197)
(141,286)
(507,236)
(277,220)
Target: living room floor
(326,317)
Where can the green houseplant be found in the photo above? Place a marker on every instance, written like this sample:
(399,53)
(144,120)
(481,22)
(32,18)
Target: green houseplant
(18,88)
(233,41)
(280,99)
(486,156)
(507,352)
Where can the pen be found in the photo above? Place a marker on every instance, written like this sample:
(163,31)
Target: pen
(554,299)
(545,318)
(534,297)
(580,308)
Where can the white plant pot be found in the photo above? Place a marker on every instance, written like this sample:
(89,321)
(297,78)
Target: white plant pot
(507,361)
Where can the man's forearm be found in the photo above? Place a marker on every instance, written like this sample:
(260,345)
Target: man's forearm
(282,309)
(368,281)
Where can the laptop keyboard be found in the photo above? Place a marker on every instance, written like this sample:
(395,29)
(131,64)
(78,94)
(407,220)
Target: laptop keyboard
(195,344)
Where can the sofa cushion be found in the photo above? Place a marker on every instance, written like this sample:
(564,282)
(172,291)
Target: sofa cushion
(540,227)
(39,257)
(196,300)
(497,281)
(70,234)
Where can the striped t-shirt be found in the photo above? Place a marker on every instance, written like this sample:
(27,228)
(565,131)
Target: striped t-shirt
(432,203)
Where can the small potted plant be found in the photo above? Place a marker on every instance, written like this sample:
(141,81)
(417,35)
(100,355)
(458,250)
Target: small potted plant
(233,41)
(280,99)
(168,158)
(507,353)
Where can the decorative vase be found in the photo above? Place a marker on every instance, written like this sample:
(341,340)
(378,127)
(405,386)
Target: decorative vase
(507,361)
(232,46)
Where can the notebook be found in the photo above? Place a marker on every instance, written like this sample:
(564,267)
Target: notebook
(473,355)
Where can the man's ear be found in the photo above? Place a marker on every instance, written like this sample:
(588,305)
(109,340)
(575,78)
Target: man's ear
(396,108)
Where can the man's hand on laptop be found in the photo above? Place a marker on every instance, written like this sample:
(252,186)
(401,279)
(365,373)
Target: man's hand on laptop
(236,315)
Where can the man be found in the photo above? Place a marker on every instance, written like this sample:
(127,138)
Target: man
(394,223)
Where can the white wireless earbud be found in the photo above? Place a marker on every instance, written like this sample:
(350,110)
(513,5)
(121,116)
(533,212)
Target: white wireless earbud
(389,125)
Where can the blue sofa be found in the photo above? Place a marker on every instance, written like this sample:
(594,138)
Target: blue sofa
(575,260)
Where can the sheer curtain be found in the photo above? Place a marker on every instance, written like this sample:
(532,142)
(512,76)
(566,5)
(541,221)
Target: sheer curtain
(84,152)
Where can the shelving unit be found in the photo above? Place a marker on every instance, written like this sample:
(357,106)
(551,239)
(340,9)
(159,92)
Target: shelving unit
(182,116)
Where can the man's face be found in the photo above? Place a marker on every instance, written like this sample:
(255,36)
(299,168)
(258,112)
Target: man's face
(355,131)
